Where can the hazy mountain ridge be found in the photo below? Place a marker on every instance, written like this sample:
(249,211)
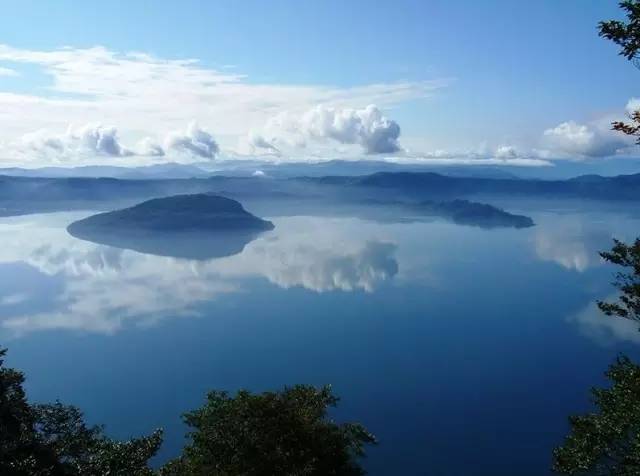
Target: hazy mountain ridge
(246,167)
(20,195)
(621,187)
(595,186)
(156,171)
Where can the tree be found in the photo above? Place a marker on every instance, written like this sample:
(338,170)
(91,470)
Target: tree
(84,450)
(20,451)
(606,442)
(628,282)
(54,440)
(627,36)
(283,433)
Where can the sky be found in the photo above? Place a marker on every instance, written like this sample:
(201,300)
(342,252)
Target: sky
(140,82)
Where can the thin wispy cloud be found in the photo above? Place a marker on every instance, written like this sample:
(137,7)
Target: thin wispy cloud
(130,108)
(8,72)
(144,96)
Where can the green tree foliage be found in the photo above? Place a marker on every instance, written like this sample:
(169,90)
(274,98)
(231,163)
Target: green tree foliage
(54,440)
(84,450)
(273,433)
(283,433)
(627,36)
(627,281)
(606,442)
(20,451)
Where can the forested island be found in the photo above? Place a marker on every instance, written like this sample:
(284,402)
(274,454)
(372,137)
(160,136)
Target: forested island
(198,226)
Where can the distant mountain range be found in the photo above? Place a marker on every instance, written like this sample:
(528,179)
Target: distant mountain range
(284,169)
(247,168)
(159,171)
(621,187)
(19,195)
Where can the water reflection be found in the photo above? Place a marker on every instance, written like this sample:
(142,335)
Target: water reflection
(573,242)
(606,330)
(187,245)
(104,288)
(416,303)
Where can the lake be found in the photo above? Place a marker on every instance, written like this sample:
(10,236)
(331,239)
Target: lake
(462,349)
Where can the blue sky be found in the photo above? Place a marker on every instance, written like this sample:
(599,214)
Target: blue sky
(462,79)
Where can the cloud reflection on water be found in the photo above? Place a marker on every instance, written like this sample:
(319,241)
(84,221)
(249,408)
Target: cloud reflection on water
(103,289)
(606,330)
(572,242)
(106,288)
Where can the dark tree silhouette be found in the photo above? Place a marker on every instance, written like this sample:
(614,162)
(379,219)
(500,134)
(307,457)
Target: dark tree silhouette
(285,433)
(54,440)
(627,281)
(607,441)
(627,36)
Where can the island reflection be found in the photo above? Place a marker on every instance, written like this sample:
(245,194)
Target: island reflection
(191,245)
(82,286)
(104,288)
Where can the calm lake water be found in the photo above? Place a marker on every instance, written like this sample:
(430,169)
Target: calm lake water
(462,349)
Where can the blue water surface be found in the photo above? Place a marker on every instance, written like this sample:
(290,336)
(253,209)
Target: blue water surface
(462,349)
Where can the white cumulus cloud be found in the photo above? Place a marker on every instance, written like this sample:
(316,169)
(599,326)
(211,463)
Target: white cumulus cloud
(633,105)
(193,140)
(145,95)
(149,147)
(103,140)
(506,152)
(366,127)
(95,140)
(581,140)
(90,139)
